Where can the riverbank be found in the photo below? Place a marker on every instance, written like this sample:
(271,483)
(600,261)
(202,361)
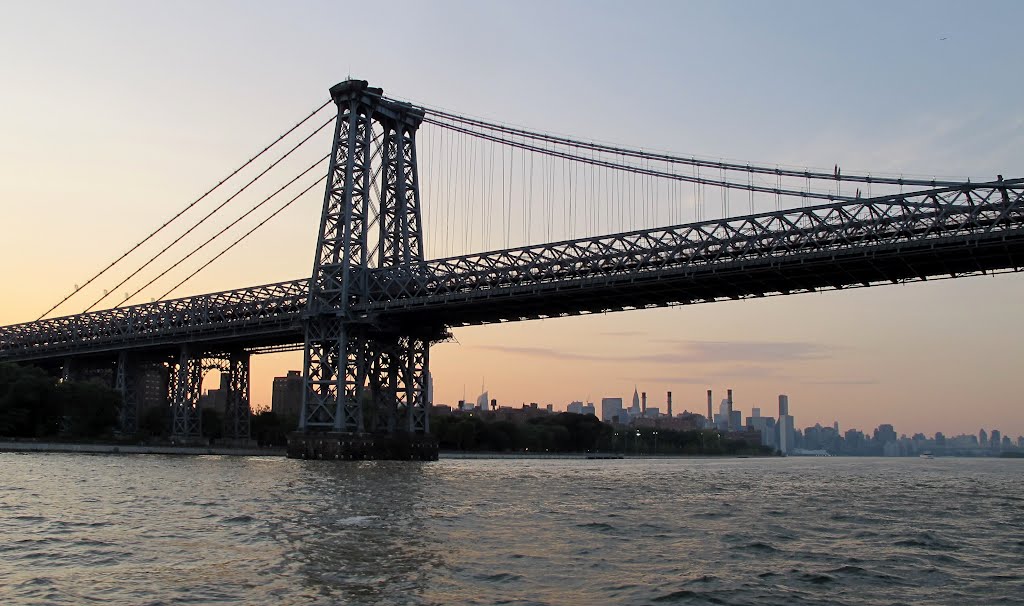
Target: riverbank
(164,449)
(11,446)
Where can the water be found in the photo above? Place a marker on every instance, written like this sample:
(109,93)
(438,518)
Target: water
(76,529)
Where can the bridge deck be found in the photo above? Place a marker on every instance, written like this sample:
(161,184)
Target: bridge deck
(943,232)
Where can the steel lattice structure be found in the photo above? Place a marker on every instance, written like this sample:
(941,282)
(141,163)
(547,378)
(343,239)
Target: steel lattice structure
(941,233)
(367,316)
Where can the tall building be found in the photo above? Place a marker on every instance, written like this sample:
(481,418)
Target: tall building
(711,416)
(766,426)
(575,407)
(153,387)
(885,433)
(996,439)
(982,438)
(735,420)
(286,399)
(611,408)
(787,433)
(216,399)
(634,410)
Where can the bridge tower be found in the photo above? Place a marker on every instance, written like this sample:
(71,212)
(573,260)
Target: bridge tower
(365,391)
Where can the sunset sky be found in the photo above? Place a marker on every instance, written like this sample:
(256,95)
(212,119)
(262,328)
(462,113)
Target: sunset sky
(115,115)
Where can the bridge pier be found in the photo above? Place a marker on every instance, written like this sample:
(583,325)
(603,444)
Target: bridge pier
(126,381)
(236,409)
(184,389)
(343,446)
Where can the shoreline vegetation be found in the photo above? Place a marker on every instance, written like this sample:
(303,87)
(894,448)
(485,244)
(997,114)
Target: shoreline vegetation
(106,448)
(40,413)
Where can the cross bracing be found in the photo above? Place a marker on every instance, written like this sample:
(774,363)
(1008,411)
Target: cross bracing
(964,230)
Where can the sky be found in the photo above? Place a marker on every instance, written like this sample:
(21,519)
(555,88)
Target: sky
(115,115)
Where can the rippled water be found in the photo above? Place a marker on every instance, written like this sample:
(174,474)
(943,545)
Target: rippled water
(168,530)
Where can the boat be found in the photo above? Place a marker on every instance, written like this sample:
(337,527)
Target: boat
(927,455)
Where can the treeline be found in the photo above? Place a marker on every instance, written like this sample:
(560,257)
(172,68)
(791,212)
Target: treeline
(563,432)
(570,432)
(33,405)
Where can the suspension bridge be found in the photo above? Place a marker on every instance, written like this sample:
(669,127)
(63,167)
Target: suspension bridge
(395,266)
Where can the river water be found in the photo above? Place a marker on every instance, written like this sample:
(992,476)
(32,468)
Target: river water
(133,529)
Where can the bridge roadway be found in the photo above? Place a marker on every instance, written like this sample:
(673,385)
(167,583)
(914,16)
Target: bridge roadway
(947,232)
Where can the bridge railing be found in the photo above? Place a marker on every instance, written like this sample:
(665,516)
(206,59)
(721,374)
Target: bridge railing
(946,212)
(178,318)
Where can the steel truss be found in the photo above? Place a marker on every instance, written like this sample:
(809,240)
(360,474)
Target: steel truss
(265,314)
(963,215)
(237,412)
(958,219)
(184,388)
(361,376)
(126,382)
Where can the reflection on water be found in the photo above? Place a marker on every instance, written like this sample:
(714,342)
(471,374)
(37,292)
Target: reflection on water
(163,530)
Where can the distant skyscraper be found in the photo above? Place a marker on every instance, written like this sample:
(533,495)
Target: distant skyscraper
(634,410)
(575,407)
(982,438)
(711,416)
(611,408)
(735,420)
(722,416)
(786,434)
(755,412)
(787,431)
(996,440)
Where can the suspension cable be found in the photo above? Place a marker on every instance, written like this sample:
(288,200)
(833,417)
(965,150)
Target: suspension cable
(221,232)
(210,214)
(668,158)
(244,236)
(183,211)
(641,170)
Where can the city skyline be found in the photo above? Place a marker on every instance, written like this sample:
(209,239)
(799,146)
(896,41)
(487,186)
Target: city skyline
(172,119)
(659,402)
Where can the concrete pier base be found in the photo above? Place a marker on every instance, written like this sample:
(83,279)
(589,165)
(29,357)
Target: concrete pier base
(361,447)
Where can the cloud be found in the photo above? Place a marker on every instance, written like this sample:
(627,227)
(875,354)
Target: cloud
(749,354)
(670,379)
(841,382)
(547,352)
(737,351)
(708,377)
